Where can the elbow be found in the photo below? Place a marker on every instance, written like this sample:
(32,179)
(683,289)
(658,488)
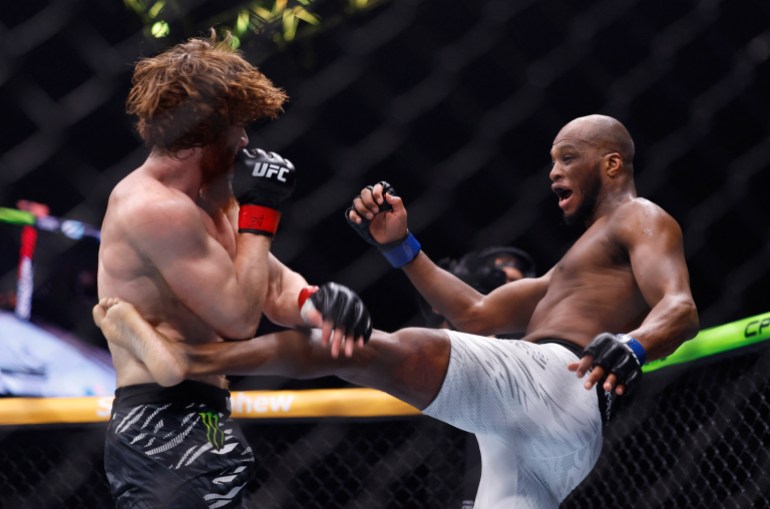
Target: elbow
(694,320)
(683,325)
(694,328)
(690,319)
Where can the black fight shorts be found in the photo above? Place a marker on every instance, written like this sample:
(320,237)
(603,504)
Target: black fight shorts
(175,447)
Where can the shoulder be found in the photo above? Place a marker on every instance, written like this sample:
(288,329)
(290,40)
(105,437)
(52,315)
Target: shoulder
(640,218)
(641,211)
(143,208)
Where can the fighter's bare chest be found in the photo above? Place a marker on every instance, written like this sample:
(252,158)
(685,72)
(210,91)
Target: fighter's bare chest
(596,250)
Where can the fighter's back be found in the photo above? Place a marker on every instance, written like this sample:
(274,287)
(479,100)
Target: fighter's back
(126,269)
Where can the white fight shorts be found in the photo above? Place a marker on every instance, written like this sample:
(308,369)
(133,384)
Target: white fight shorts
(539,430)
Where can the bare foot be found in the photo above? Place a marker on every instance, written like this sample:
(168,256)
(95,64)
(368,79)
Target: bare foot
(123,326)
(100,310)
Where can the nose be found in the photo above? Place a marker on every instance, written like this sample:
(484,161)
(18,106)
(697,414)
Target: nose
(555,174)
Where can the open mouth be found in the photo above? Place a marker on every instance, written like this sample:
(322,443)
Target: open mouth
(562,193)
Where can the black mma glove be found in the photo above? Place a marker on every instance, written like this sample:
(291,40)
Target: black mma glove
(619,354)
(268,179)
(340,305)
(398,252)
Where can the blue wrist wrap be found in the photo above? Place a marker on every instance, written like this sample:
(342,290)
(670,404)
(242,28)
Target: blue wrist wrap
(635,346)
(403,253)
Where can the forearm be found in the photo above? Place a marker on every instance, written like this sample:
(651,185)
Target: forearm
(281,306)
(446,293)
(670,323)
(252,275)
(268,181)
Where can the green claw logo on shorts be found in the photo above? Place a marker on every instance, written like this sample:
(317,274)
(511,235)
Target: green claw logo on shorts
(214,434)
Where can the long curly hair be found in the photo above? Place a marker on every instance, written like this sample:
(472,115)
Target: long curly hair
(189,95)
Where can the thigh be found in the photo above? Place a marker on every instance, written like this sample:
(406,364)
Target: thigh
(539,430)
(139,482)
(512,386)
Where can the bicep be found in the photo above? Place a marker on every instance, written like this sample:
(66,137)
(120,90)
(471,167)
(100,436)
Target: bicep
(197,270)
(656,253)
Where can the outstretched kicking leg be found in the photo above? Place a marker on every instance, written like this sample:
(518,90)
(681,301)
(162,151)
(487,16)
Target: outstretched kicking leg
(409,364)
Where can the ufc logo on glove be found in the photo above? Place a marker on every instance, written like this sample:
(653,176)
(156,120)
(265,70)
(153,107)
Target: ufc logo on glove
(267,170)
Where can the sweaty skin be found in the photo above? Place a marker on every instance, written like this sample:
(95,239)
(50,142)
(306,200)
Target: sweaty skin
(170,246)
(195,265)
(625,274)
(409,364)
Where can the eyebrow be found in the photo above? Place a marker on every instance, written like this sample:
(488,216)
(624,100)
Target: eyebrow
(562,147)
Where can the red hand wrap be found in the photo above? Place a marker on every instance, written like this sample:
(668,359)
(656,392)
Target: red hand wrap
(258,219)
(305,293)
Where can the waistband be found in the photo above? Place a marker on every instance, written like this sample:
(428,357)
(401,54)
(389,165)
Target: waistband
(606,399)
(569,345)
(189,391)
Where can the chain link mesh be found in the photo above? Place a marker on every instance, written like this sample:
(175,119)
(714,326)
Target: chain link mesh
(694,435)
(456,105)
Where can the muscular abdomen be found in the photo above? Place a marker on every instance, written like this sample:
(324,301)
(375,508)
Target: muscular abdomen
(592,290)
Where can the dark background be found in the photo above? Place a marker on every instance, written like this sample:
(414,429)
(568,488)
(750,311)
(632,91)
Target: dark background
(455,103)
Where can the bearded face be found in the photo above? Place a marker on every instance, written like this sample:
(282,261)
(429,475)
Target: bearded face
(588,188)
(218,160)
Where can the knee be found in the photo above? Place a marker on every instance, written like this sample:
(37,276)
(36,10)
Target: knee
(420,335)
(421,344)
(401,337)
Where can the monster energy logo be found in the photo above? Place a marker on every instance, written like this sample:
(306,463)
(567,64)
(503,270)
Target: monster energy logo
(214,435)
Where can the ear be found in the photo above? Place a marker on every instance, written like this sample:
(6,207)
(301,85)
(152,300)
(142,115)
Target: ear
(613,163)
